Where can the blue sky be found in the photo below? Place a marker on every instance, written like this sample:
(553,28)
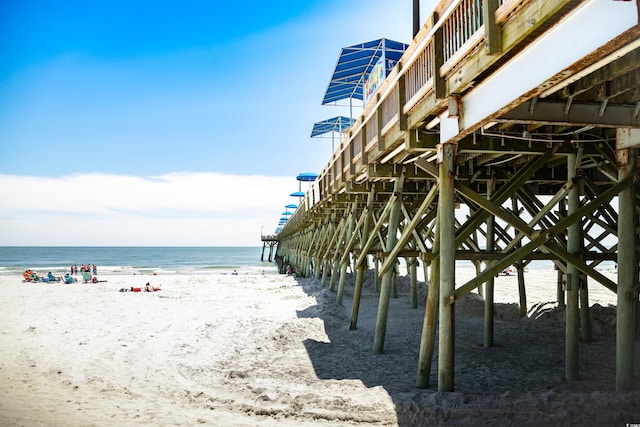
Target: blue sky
(138,92)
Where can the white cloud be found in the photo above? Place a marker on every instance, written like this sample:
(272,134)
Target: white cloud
(208,209)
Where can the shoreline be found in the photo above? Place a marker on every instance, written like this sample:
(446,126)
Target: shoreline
(272,350)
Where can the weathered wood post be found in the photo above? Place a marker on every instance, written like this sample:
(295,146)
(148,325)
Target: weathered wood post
(394,279)
(430,323)
(562,209)
(446,214)
(413,275)
(362,263)
(489,284)
(522,291)
(385,289)
(345,262)
(585,316)
(326,259)
(376,277)
(336,255)
(627,276)
(572,337)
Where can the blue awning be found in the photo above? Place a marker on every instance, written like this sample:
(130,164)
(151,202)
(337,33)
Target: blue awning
(307,177)
(354,65)
(336,124)
(291,206)
(297,194)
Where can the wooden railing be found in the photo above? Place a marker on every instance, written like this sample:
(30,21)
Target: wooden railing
(463,23)
(462,32)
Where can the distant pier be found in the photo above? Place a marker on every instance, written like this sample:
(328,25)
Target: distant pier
(268,241)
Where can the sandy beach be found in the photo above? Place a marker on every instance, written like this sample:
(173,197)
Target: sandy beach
(262,350)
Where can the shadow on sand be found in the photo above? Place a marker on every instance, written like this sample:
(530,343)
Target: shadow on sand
(520,380)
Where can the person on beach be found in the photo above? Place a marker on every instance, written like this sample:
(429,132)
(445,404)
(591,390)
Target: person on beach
(95,270)
(52,278)
(86,276)
(31,276)
(68,279)
(149,288)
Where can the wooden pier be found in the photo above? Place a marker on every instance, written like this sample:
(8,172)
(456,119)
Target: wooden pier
(268,241)
(526,112)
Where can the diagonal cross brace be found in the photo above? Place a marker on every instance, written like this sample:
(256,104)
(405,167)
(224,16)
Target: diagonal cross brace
(541,239)
(407,233)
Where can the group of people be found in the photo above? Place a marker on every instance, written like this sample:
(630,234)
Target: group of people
(89,275)
(31,276)
(84,268)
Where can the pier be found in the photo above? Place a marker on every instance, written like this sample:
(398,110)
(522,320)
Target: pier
(507,131)
(268,241)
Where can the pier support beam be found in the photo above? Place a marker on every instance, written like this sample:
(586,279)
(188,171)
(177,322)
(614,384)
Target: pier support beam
(489,284)
(627,273)
(413,275)
(361,264)
(344,261)
(446,216)
(387,278)
(572,327)
(585,316)
(430,323)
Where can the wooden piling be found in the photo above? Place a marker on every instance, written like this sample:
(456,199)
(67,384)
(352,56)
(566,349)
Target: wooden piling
(361,263)
(489,284)
(627,276)
(572,337)
(385,289)
(585,316)
(344,262)
(413,276)
(430,322)
(446,213)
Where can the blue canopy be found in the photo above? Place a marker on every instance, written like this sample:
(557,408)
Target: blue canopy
(336,124)
(307,177)
(297,194)
(354,65)
(291,206)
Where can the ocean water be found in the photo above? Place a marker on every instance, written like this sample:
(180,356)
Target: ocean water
(134,260)
(166,260)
